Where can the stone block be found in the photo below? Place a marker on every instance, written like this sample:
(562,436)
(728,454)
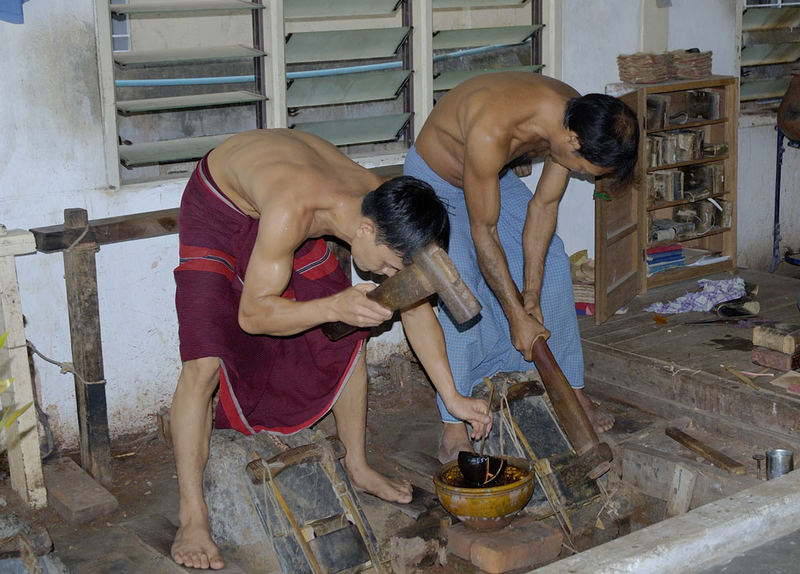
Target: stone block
(74,494)
(524,543)
(247,516)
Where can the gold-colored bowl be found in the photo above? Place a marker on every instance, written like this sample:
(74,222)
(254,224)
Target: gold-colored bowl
(488,507)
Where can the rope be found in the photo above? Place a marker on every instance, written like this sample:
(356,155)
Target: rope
(266,471)
(79,239)
(507,425)
(65,367)
(522,447)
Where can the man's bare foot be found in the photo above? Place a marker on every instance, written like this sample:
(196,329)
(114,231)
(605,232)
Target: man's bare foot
(366,479)
(600,419)
(455,438)
(194,548)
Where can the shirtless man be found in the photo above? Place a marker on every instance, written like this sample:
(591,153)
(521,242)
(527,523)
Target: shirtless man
(252,264)
(502,240)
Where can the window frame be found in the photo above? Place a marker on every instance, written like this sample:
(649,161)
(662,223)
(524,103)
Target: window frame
(273,68)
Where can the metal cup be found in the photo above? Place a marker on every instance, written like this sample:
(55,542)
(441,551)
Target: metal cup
(780,461)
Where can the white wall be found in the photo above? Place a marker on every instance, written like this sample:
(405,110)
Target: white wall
(51,158)
(756,180)
(594,34)
(708,25)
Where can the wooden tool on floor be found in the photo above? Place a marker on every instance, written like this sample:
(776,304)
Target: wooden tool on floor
(593,455)
(327,529)
(712,455)
(431,271)
(746,380)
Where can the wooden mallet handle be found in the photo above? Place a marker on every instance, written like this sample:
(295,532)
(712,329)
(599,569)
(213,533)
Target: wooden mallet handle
(569,411)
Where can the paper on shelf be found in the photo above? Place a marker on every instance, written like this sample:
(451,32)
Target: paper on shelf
(708,260)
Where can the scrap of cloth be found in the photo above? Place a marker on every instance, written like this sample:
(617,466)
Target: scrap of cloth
(277,384)
(712,293)
(481,349)
(11,11)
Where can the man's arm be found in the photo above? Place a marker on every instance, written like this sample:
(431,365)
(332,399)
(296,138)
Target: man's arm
(540,224)
(426,338)
(484,158)
(263,311)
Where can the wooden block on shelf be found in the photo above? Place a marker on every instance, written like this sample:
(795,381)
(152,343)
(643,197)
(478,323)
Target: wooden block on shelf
(783,337)
(775,359)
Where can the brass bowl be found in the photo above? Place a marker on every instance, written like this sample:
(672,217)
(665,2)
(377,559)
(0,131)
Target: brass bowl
(487,507)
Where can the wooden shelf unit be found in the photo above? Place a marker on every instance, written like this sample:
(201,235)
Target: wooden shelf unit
(623,225)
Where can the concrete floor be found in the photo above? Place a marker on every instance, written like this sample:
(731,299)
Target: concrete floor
(781,556)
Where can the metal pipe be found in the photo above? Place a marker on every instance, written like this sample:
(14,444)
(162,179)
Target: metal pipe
(471,51)
(184,81)
(344,70)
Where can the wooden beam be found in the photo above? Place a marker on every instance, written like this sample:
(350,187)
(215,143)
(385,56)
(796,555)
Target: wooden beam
(679,497)
(80,273)
(711,454)
(56,238)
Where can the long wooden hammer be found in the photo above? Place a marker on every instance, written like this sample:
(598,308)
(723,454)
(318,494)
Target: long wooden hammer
(431,271)
(593,456)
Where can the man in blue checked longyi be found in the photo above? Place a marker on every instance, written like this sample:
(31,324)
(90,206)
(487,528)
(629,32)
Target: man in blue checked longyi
(502,238)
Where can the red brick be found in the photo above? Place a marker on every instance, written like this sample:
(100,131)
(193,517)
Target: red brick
(460,539)
(774,359)
(523,543)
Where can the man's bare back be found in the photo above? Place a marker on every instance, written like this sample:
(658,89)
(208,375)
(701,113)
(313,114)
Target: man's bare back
(263,167)
(516,107)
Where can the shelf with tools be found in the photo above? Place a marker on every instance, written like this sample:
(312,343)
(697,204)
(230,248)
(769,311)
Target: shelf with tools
(679,215)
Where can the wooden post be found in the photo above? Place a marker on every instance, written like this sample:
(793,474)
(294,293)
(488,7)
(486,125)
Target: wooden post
(80,273)
(22,437)
(679,497)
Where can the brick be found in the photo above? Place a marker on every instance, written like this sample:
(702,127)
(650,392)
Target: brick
(75,495)
(460,539)
(775,359)
(523,543)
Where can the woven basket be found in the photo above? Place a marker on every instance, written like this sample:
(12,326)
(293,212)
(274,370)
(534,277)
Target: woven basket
(648,68)
(685,65)
(643,68)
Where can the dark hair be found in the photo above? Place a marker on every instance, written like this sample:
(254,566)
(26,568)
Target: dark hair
(608,132)
(408,215)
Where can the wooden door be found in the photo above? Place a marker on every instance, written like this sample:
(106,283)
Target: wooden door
(618,270)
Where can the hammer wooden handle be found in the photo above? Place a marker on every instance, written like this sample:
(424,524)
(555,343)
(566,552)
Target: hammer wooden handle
(397,292)
(431,272)
(569,411)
